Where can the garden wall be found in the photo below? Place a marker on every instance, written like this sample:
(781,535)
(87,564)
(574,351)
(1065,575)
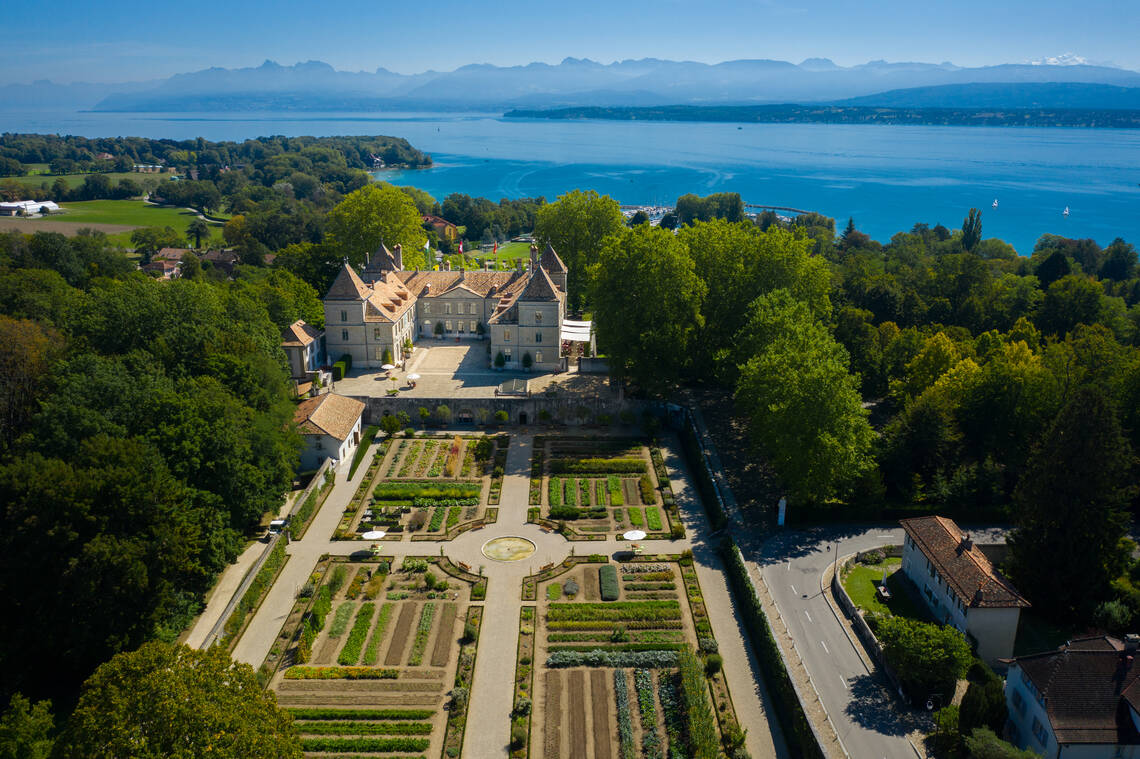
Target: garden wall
(562,410)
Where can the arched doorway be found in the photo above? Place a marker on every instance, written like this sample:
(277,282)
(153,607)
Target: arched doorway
(522,417)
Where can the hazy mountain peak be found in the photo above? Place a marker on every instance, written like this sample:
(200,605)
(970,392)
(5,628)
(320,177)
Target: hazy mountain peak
(818,64)
(1064,59)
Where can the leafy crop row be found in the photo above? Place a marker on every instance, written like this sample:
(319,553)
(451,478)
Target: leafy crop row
(437,517)
(350,654)
(364,728)
(377,745)
(653,518)
(340,673)
(608,579)
(603,658)
(625,722)
(317,713)
(613,483)
(398,491)
(422,634)
(597,466)
(650,738)
(340,620)
(372,653)
(626,610)
(607,624)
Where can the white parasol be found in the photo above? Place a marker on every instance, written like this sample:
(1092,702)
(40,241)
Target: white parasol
(413,376)
(634,535)
(373,535)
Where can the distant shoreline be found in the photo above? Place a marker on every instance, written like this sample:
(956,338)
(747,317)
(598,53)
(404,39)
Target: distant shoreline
(1075,118)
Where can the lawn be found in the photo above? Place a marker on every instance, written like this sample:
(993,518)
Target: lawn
(863,579)
(74,180)
(132,213)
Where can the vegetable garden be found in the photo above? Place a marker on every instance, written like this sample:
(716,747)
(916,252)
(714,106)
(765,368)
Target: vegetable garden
(381,660)
(592,487)
(623,665)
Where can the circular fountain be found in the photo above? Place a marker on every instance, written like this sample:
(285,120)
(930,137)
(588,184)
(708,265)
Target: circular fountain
(508,548)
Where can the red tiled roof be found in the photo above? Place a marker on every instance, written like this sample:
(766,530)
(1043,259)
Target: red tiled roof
(478,282)
(540,288)
(299,334)
(1089,687)
(328,414)
(965,568)
(550,260)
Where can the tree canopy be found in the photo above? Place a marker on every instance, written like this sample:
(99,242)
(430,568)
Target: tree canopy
(577,226)
(166,701)
(373,215)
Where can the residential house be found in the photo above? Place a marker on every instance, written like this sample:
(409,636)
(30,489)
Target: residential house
(330,426)
(225,260)
(444,229)
(1081,701)
(521,311)
(960,585)
(170,254)
(164,269)
(304,346)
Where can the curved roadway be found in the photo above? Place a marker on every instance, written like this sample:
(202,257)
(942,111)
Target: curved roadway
(868,719)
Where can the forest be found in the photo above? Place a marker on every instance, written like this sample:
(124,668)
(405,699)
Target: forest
(145,429)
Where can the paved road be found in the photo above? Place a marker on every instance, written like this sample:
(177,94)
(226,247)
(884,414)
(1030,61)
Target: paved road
(868,719)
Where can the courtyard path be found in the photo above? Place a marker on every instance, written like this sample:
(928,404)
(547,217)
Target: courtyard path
(491,699)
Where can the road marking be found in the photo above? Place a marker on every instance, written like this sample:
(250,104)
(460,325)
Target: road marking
(808,616)
(825,648)
(788,566)
(793,587)
(843,680)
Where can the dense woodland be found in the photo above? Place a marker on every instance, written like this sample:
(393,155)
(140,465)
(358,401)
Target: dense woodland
(145,429)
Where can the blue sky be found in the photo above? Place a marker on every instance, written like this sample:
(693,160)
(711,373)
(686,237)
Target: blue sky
(128,40)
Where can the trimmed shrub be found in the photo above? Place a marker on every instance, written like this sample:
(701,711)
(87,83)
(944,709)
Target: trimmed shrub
(608,579)
(317,713)
(339,370)
(387,745)
(605,658)
(340,673)
(597,466)
(646,486)
(346,359)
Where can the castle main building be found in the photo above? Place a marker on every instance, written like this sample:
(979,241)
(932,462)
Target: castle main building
(374,314)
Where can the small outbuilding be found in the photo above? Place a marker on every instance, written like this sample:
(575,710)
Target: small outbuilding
(330,425)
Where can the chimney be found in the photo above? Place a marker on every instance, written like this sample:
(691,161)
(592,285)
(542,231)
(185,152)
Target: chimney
(534,258)
(398,254)
(519,265)
(966,544)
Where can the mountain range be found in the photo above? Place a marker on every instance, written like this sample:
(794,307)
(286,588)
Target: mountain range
(317,86)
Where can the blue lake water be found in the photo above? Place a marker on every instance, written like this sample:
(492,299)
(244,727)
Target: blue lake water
(886,177)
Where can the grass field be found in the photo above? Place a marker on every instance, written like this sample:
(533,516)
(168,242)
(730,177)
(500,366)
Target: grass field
(862,581)
(131,213)
(74,180)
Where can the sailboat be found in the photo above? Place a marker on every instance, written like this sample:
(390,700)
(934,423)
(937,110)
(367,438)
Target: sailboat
(1065,212)
(995,203)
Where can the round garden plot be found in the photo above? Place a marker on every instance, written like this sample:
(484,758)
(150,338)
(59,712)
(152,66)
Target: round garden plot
(508,548)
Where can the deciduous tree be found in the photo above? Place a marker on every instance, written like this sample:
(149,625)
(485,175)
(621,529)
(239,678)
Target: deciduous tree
(372,215)
(170,701)
(576,226)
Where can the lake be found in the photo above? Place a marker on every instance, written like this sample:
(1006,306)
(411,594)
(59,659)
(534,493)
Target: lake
(885,177)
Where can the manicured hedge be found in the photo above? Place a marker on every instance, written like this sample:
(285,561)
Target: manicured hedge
(646,486)
(339,369)
(597,466)
(571,513)
(257,588)
(788,708)
(644,611)
(402,491)
(695,459)
(608,578)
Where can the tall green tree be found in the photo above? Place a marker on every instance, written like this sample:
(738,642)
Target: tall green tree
(1070,509)
(372,215)
(801,403)
(972,230)
(172,702)
(576,226)
(928,658)
(647,305)
(26,729)
(196,231)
